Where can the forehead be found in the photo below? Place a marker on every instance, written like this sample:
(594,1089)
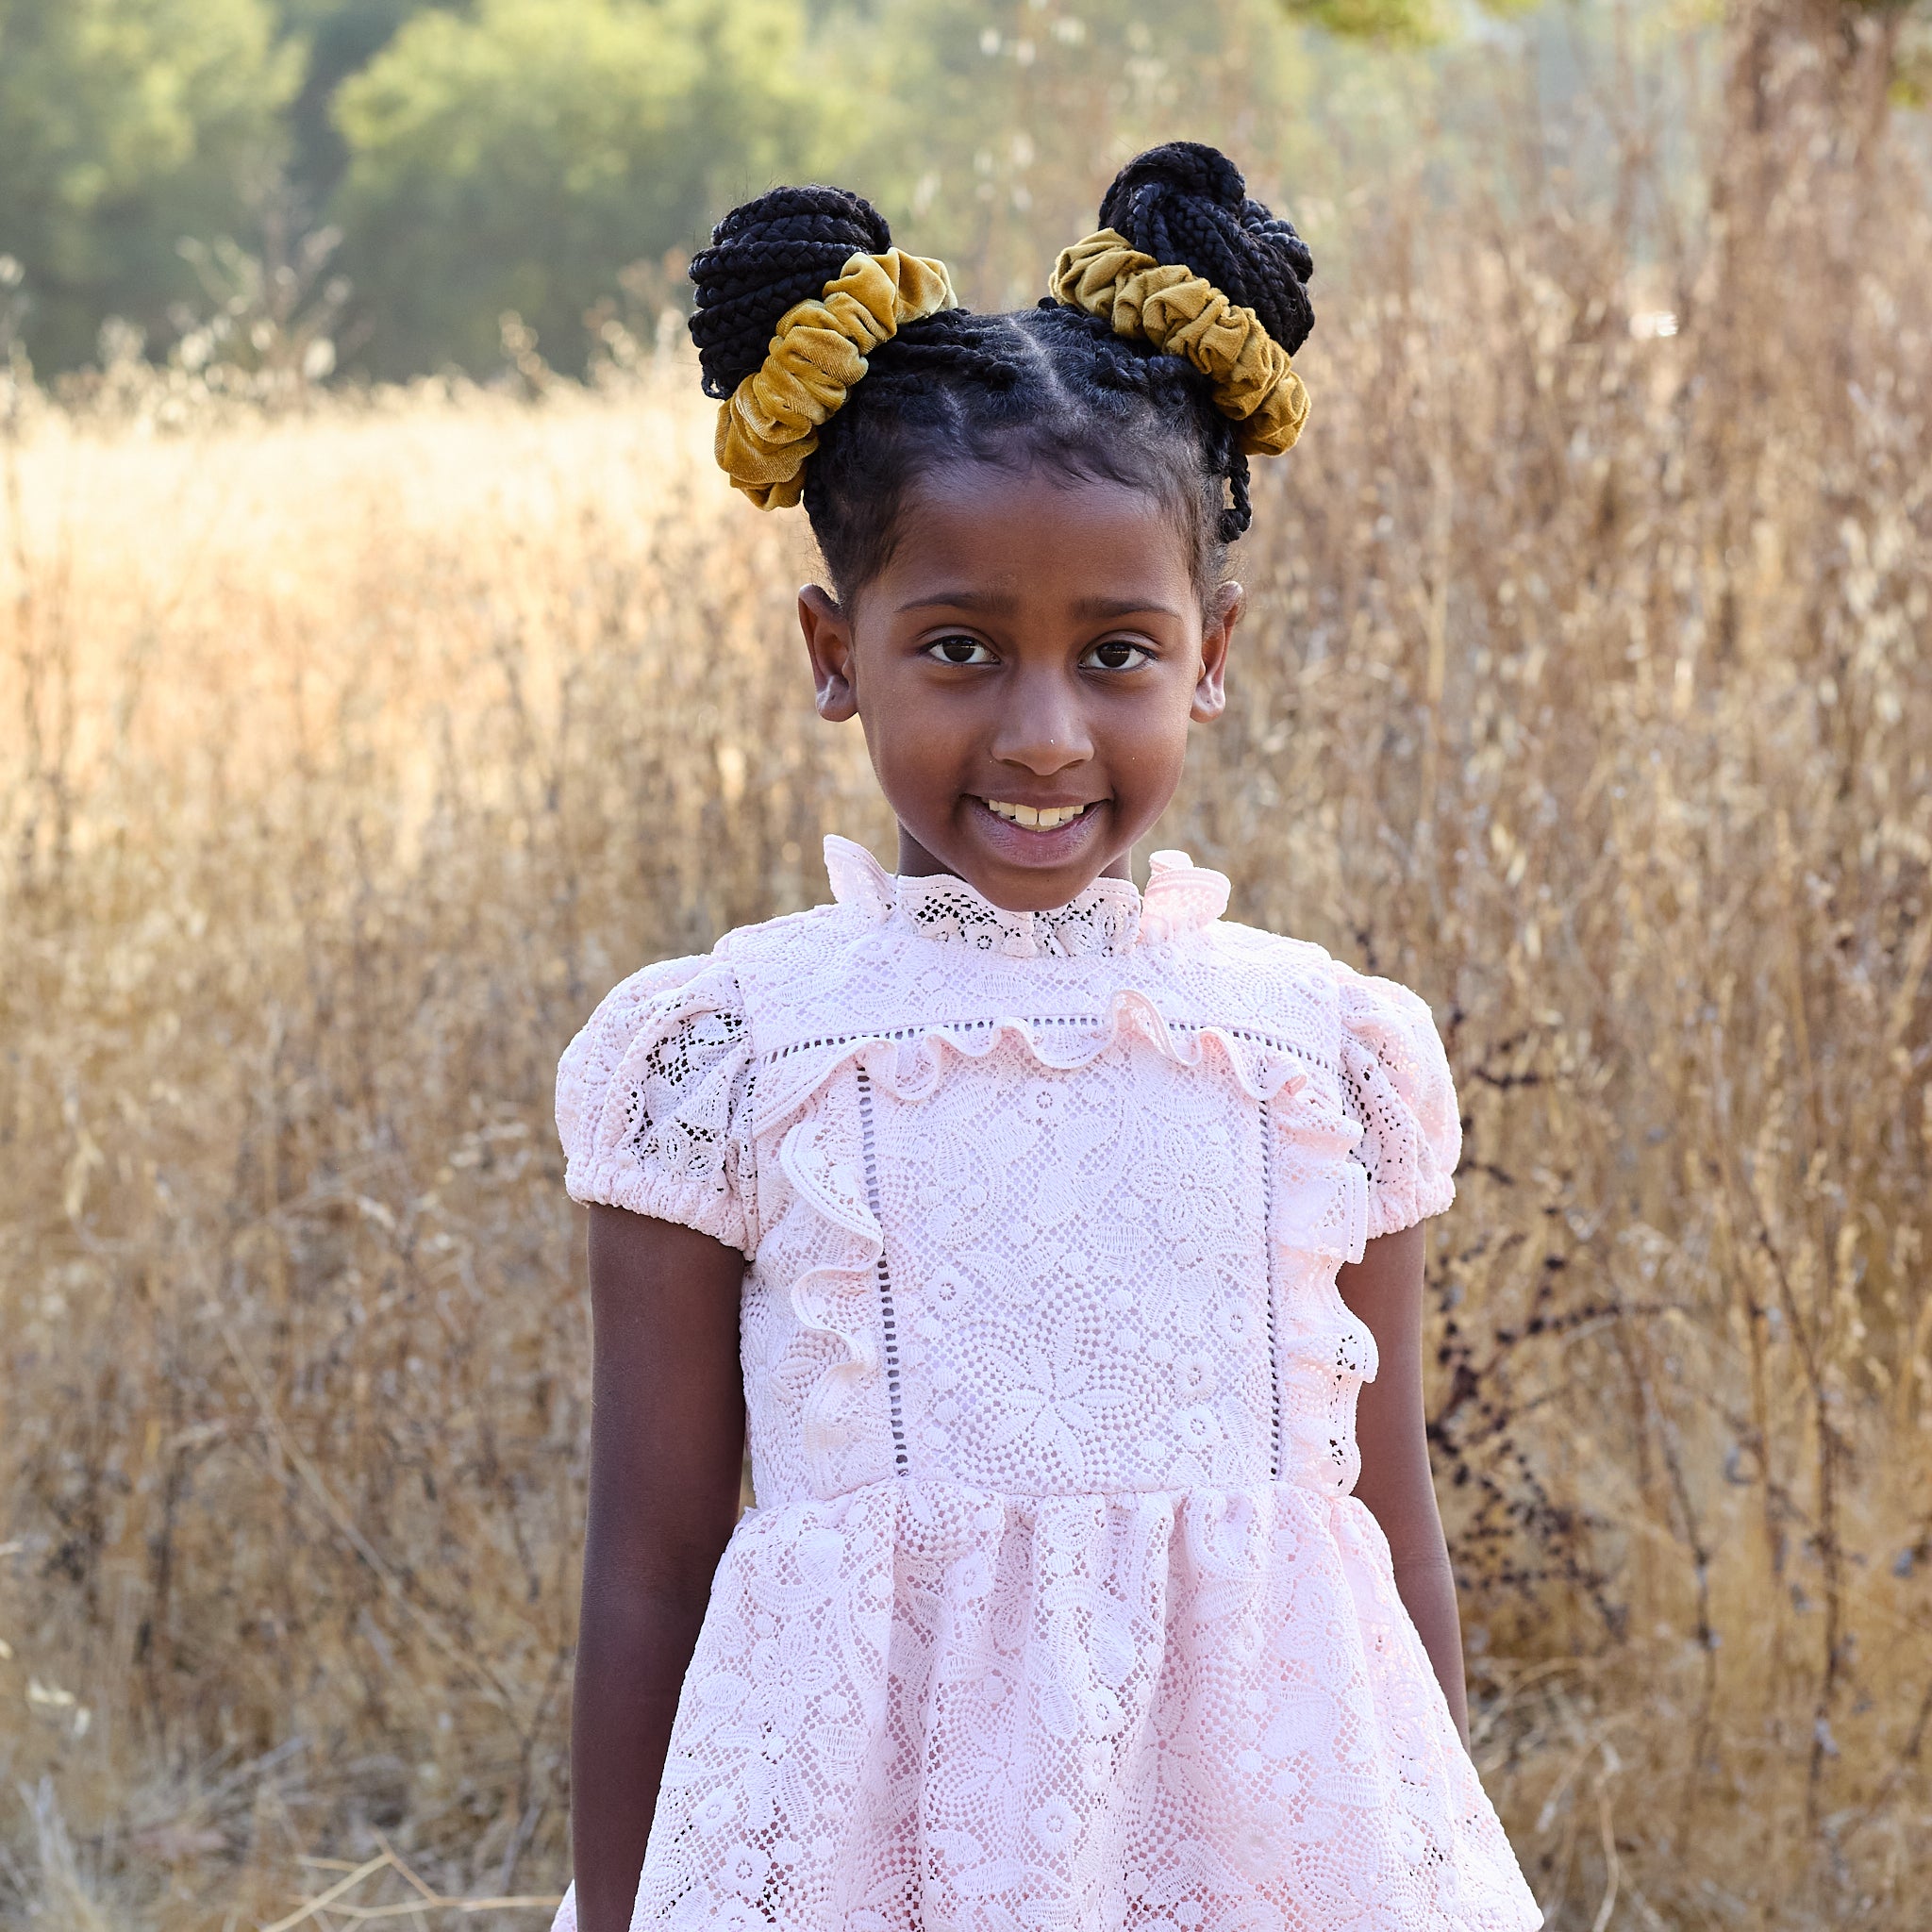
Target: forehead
(1037,536)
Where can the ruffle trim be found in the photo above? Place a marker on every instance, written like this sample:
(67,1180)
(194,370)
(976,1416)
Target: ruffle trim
(1397,1079)
(910,1063)
(1320,1193)
(1180,897)
(1110,916)
(834,1299)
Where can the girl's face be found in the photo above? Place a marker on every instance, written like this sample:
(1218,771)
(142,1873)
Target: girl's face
(1026,668)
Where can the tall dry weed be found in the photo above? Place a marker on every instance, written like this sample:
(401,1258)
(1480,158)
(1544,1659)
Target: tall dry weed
(347,760)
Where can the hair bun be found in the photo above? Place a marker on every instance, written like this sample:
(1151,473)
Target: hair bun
(1187,203)
(767,255)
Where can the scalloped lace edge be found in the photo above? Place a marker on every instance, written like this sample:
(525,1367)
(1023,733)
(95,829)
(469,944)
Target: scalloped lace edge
(1131,1014)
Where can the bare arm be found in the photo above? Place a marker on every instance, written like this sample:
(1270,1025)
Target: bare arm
(667,1444)
(1385,1288)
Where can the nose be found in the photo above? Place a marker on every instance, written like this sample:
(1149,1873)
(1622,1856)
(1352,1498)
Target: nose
(1043,729)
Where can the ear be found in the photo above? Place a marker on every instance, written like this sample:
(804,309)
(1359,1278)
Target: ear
(828,644)
(1217,633)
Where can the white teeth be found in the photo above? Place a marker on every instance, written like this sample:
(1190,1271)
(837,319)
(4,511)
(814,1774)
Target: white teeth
(1049,818)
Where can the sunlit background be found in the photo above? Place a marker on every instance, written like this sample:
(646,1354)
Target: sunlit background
(385,671)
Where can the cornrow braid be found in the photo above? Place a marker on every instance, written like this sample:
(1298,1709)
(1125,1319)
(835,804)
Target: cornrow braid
(955,346)
(1051,385)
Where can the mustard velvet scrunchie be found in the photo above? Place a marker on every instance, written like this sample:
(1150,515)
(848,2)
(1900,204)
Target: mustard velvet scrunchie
(1167,304)
(770,425)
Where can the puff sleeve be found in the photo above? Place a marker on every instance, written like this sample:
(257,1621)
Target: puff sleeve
(654,1102)
(1397,1085)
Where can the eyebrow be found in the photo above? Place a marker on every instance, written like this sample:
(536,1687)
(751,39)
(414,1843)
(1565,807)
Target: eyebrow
(1002,601)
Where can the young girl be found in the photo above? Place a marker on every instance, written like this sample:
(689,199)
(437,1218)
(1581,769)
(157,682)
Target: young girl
(1054,1227)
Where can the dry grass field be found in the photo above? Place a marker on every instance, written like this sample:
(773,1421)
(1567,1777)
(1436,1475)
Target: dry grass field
(346,757)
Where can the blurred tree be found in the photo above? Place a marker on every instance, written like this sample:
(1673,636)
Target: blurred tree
(1809,89)
(1840,63)
(988,132)
(125,127)
(338,38)
(1397,22)
(519,157)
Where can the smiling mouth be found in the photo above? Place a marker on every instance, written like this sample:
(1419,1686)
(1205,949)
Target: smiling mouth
(1037,818)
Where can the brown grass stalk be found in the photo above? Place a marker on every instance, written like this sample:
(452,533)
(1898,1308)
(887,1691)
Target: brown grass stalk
(347,759)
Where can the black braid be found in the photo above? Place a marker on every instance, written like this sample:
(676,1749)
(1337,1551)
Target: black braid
(1188,204)
(1240,512)
(1052,384)
(765,257)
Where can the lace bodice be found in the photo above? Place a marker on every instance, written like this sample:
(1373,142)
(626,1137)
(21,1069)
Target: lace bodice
(1040,1332)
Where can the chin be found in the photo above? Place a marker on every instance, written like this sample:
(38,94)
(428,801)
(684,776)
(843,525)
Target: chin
(1028,871)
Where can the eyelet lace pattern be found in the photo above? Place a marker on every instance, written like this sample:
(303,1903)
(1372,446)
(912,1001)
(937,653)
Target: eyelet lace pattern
(1057,1608)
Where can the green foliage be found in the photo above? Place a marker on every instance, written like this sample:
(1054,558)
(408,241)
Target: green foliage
(338,38)
(518,157)
(1912,72)
(1395,23)
(1410,22)
(125,127)
(485,156)
(988,133)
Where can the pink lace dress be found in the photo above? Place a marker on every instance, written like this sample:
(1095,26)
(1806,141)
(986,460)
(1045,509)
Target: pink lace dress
(1055,1610)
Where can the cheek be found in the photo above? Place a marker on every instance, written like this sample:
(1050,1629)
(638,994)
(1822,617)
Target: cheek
(1156,771)
(914,744)
(1153,743)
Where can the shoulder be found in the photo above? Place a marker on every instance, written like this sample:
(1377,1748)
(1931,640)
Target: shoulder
(1283,988)
(700,978)
(720,979)
(1392,1022)
(1377,1042)
(654,1000)
(792,936)
(1358,1003)
(693,1006)
(678,1015)
(1272,953)
(1358,1012)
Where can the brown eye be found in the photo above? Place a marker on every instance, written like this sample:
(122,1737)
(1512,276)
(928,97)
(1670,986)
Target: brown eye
(1117,654)
(960,650)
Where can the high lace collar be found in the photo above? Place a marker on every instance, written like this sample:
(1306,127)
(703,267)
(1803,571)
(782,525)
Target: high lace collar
(1110,916)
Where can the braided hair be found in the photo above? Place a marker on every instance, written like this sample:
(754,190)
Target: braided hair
(1051,385)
